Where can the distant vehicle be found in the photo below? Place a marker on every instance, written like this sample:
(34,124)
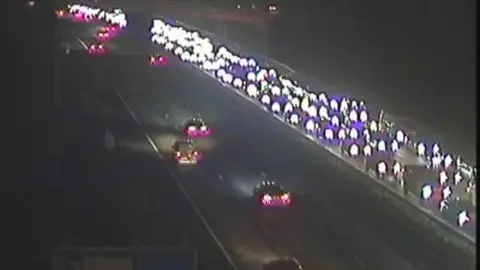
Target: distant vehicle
(97,49)
(185,152)
(283,264)
(157,60)
(196,127)
(60,13)
(81,17)
(112,28)
(103,35)
(273,9)
(271,194)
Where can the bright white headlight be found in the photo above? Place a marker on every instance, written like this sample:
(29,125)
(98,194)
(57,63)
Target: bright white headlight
(310,125)
(265,99)
(237,82)
(220,73)
(228,78)
(329,134)
(312,111)
(251,76)
(243,62)
(276,90)
(276,107)
(272,73)
(252,90)
(288,107)
(295,102)
(294,118)
(305,104)
(178,51)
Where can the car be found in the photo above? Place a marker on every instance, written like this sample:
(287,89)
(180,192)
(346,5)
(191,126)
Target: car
(112,28)
(185,152)
(271,194)
(273,9)
(283,264)
(103,35)
(157,60)
(196,127)
(60,13)
(81,17)
(97,49)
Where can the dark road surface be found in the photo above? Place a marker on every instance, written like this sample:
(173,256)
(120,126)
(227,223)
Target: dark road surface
(336,222)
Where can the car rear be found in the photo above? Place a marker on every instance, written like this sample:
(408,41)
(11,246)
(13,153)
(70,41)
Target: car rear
(96,49)
(187,157)
(275,199)
(156,60)
(103,35)
(197,129)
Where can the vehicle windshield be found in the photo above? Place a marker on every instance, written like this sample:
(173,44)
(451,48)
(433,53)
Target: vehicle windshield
(273,189)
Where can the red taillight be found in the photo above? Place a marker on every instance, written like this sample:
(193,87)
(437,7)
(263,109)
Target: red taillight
(266,199)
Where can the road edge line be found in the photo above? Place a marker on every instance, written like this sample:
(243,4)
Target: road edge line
(179,184)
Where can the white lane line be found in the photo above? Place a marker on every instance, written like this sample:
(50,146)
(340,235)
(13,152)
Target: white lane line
(179,184)
(359,262)
(134,116)
(84,45)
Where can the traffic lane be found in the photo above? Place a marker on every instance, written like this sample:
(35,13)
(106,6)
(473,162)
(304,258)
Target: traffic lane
(258,153)
(162,130)
(233,177)
(100,204)
(151,100)
(229,211)
(387,216)
(159,195)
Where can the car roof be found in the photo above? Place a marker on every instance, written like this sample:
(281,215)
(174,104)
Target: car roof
(271,187)
(196,120)
(185,142)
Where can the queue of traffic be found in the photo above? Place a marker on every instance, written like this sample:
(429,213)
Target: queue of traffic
(343,125)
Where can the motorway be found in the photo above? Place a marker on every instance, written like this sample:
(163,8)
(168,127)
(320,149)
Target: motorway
(336,222)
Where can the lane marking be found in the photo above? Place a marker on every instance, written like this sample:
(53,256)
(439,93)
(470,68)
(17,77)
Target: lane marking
(359,262)
(84,45)
(134,116)
(179,184)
